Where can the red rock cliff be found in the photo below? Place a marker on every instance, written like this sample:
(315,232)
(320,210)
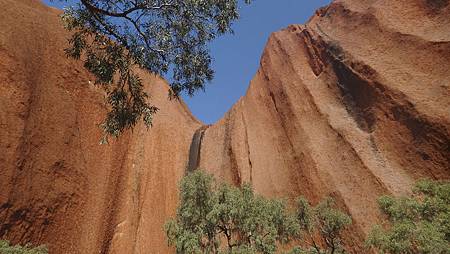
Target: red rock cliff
(354,104)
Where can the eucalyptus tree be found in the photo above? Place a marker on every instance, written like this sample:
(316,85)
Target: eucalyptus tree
(219,218)
(419,223)
(214,218)
(170,38)
(321,227)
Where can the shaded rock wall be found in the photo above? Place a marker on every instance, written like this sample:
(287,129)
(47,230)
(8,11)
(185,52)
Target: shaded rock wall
(58,185)
(354,104)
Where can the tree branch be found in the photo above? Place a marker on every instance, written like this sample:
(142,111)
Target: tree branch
(142,6)
(144,37)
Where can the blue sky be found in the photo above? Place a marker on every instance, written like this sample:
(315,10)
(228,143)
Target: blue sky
(236,57)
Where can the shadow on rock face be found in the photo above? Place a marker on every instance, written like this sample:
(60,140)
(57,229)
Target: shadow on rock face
(437,4)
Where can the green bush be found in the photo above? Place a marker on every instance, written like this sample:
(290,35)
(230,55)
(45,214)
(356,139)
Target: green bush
(219,218)
(418,224)
(6,248)
(323,223)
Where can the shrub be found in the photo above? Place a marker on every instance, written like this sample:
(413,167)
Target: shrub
(219,218)
(418,224)
(216,218)
(323,223)
(6,248)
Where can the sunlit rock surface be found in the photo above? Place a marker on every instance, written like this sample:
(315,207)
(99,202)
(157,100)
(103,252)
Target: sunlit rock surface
(354,104)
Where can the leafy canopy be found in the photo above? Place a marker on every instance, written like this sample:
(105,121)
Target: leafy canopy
(321,227)
(418,224)
(161,36)
(6,248)
(224,219)
(219,218)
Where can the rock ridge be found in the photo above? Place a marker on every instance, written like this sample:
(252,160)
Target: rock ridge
(353,104)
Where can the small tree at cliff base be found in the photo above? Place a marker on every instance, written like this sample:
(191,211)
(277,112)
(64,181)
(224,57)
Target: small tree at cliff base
(219,218)
(417,224)
(321,227)
(161,36)
(226,219)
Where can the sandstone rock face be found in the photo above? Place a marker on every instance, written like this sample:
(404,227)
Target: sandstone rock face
(58,185)
(354,104)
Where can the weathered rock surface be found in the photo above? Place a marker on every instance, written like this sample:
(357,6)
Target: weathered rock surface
(58,185)
(354,104)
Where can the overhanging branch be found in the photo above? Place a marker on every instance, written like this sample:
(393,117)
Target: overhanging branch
(142,6)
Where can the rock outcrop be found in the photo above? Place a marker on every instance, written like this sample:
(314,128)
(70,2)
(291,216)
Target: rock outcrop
(353,104)
(58,185)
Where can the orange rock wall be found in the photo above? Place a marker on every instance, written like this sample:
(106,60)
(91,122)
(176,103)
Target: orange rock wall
(58,185)
(354,104)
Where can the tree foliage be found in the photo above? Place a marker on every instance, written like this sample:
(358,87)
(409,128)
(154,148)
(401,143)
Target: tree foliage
(321,227)
(161,36)
(219,218)
(418,224)
(6,248)
(224,219)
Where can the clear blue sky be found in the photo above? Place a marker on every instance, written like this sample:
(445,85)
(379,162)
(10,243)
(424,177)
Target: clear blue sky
(236,57)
